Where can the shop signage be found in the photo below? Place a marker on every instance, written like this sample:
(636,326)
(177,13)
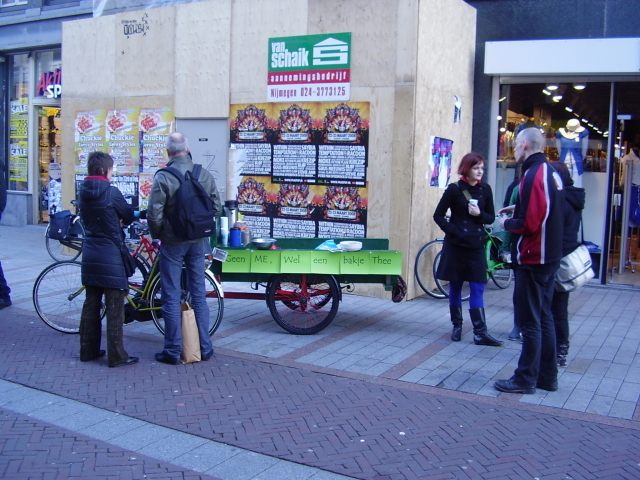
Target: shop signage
(309,68)
(50,84)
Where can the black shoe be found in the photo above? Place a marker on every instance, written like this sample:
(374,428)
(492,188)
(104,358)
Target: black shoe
(101,354)
(549,387)
(130,361)
(509,386)
(206,357)
(5,302)
(168,359)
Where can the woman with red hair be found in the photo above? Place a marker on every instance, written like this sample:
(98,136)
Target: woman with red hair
(463,257)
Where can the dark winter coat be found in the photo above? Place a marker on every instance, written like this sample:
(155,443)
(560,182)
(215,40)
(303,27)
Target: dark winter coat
(102,206)
(537,220)
(572,210)
(463,253)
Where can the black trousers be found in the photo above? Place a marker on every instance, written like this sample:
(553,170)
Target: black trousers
(91,325)
(537,363)
(560,311)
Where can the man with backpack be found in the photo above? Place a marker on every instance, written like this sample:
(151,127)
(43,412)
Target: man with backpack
(182,205)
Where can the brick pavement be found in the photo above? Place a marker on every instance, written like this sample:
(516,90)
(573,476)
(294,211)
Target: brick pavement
(381,393)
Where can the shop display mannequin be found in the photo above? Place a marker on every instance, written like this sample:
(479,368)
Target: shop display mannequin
(572,142)
(631,166)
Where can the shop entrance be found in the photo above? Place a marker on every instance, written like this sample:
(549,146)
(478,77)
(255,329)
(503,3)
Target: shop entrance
(574,118)
(49,160)
(623,262)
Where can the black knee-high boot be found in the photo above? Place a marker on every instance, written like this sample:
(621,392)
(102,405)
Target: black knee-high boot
(456,320)
(480,335)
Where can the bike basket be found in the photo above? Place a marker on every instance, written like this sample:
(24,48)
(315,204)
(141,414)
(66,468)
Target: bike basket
(59,224)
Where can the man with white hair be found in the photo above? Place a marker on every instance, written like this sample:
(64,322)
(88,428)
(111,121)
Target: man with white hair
(175,251)
(536,225)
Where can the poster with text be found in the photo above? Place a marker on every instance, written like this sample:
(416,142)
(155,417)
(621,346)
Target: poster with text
(155,125)
(122,140)
(304,167)
(89,135)
(18,144)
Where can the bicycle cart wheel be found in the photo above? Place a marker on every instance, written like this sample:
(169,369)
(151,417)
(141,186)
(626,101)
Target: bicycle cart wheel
(69,248)
(424,268)
(215,302)
(499,271)
(443,285)
(303,304)
(58,296)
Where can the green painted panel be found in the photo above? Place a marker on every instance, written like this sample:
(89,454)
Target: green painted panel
(385,263)
(265,261)
(355,262)
(238,261)
(321,261)
(295,261)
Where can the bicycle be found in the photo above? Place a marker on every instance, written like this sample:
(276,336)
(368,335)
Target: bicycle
(58,296)
(428,259)
(69,247)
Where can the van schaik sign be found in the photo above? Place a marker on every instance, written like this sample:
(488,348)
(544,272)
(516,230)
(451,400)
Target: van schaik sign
(309,68)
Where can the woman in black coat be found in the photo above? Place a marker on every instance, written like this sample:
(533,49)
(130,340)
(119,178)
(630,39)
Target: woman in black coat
(463,257)
(103,211)
(574,199)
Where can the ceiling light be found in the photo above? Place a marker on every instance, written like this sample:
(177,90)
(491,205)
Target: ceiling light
(546,92)
(579,86)
(590,125)
(606,133)
(552,87)
(499,117)
(502,99)
(568,109)
(503,129)
(557,98)
(584,120)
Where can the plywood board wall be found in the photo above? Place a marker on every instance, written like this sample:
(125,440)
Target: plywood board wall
(202,59)
(252,24)
(446,48)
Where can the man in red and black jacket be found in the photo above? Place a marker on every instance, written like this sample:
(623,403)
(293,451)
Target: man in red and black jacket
(536,225)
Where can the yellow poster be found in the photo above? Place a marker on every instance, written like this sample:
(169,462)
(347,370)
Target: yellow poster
(89,136)
(155,125)
(122,140)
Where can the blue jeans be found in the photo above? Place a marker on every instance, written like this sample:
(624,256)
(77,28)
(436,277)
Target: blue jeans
(537,363)
(172,258)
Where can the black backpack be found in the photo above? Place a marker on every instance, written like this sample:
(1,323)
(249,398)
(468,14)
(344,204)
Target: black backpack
(194,212)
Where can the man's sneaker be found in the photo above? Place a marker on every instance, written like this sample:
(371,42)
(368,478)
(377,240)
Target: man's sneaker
(5,302)
(562,360)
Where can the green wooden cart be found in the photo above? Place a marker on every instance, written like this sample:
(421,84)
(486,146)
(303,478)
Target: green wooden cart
(303,286)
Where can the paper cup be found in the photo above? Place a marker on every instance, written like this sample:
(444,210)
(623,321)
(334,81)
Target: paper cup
(473,201)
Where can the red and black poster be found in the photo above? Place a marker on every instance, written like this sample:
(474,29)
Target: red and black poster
(300,168)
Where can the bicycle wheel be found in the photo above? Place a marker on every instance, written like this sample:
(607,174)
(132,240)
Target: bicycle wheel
(303,304)
(69,248)
(58,296)
(499,271)
(424,268)
(443,285)
(214,297)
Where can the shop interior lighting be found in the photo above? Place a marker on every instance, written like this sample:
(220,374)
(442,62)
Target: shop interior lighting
(546,92)
(568,109)
(556,98)
(499,117)
(590,125)
(552,87)
(584,120)
(580,86)
(502,99)
(503,129)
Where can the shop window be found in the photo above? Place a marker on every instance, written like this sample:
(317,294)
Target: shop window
(48,74)
(573,119)
(19,122)
(11,3)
